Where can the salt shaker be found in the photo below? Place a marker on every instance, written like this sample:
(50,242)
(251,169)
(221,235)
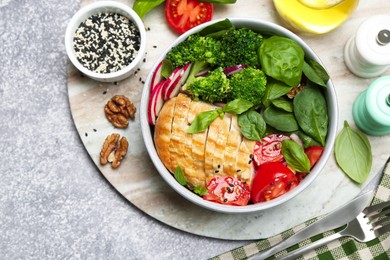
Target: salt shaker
(367,54)
(371,110)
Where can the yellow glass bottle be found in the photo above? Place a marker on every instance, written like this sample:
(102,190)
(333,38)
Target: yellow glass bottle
(315,16)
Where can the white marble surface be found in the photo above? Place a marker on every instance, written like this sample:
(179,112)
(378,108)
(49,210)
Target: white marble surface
(55,203)
(140,183)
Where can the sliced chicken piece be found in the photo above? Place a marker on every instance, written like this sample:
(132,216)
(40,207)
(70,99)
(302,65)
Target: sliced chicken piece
(181,142)
(198,140)
(244,161)
(231,151)
(212,137)
(220,146)
(162,133)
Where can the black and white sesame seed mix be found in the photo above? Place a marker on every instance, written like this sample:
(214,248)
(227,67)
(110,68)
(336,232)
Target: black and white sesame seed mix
(106,42)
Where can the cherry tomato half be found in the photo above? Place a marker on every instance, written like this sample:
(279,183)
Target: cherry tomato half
(183,15)
(270,150)
(228,190)
(272,180)
(314,153)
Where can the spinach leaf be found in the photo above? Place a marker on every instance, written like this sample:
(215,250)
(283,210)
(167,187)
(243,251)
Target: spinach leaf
(312,74)
(179,176)
(252,125)
(273,90)
(282,59)
(318,70)
(200,190)
(285,104)
(142,7)
(311,112)
(217,29)
(295,156)
(353,153)
(237,106)
(280,120)
(307,140)
(203,120)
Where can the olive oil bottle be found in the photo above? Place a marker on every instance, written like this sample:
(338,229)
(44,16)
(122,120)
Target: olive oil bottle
(315,16)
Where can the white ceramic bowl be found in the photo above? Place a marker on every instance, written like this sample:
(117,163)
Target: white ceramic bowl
(265,28)
(105,7)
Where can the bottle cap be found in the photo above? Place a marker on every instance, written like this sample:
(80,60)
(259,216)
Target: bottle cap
(371,110)
(368,53)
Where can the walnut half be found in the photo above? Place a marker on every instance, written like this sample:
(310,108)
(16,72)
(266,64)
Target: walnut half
(113,150)
(118,110)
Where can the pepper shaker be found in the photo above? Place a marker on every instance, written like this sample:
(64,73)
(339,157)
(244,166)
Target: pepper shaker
(367,54)
(371,110)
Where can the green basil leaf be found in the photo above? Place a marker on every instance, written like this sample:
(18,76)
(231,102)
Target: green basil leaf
(166,68)
(142,7)
(285,104)
(200,190)
(295,156)
(312,75)
(252,125)
(280,120)
(179,176)
(282,58)
(353,153)
(273,90)
(237,106)
(202,121)
(311,112)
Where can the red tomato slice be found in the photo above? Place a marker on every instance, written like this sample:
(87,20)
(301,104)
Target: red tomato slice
(270,150)
(228,190)
(183,15)
(314,153)
(272,180)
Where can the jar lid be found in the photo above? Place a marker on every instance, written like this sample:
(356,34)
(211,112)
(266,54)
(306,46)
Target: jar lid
(378,100)
(372,40)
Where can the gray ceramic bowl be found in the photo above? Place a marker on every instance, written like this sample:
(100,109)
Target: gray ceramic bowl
(265,28)
(105,7)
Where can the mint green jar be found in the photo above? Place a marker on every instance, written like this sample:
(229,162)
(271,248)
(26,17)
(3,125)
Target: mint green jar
(371,110)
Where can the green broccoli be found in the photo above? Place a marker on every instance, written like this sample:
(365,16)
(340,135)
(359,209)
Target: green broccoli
(248,84)
(213,88)
(195,48)
(239,46)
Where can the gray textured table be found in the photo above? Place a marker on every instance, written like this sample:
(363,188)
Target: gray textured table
(44,212)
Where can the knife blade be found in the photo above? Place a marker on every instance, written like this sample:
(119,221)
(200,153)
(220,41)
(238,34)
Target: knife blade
(334,219)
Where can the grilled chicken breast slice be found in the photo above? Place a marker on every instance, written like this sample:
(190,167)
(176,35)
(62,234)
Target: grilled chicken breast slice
(163,132)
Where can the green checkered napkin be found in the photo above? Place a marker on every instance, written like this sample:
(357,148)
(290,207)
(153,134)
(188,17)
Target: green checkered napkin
(343,248)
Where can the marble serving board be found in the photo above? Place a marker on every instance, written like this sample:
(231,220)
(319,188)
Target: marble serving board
(140,183)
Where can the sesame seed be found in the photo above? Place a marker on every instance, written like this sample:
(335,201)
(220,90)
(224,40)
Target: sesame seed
(106,42)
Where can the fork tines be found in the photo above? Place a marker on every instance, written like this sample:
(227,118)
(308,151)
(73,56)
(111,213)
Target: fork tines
(379,217)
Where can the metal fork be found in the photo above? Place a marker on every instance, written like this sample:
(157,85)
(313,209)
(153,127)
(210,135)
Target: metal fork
(373,222)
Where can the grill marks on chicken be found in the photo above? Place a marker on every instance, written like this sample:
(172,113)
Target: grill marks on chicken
(221,150)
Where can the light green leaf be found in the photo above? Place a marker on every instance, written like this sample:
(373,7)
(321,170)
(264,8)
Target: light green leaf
(353,153)
(179,176)
(295,156)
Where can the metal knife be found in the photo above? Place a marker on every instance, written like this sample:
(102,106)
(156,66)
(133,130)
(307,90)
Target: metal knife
(334,219)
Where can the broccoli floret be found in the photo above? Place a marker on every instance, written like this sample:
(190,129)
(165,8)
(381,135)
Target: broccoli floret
(195,48)
(213,88)
(248,84)
(240,46)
